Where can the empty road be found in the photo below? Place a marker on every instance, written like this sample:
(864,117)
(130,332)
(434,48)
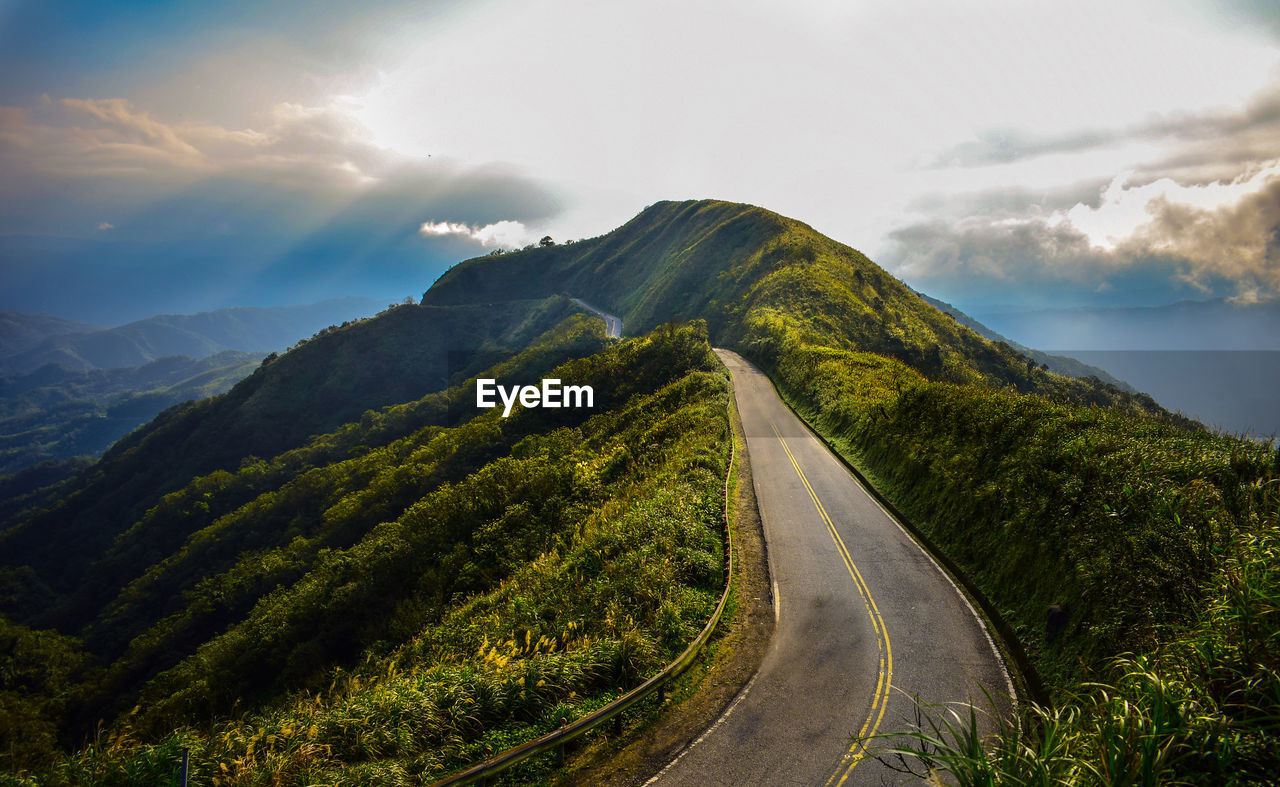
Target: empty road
(866,621)
(612,325)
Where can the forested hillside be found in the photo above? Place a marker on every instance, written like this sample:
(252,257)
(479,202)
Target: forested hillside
(302,587)
(56,414)
(1047,490)
(69,390)
(20,331)
(391,550)
(330,380)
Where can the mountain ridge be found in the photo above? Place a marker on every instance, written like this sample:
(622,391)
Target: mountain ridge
(755,276)
(20,331)
(242,328)
(1062,364)
(461,581)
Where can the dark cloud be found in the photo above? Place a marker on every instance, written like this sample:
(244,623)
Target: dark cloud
(1198,139)
(1234,242)
(231,241)
(1010,145)
(1012,253)
(1181,251)
(202,216)
(1012,202)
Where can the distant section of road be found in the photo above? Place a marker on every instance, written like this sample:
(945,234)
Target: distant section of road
(612,325)
(867,621)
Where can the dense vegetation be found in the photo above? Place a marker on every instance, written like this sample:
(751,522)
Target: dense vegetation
(54,414)
(441,584)
(327,381)
(1045,489)
(299,586)
(1202,707)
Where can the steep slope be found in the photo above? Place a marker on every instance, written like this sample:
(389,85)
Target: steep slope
(248,329)
(384,556)
(399,356)
(1061,364)
(759,279)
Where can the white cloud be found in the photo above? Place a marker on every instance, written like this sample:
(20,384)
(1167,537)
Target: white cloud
(1127,210)
(111,137)
(504,234)
(823,110)
(1218,238)
(817,110)
(106,225)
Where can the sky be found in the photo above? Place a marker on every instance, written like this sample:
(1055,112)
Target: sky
(1000,155)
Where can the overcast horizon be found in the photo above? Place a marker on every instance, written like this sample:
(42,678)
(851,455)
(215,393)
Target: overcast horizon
(995,155)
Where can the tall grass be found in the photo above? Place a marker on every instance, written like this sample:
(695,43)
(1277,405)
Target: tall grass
(540,611)
(1203,708)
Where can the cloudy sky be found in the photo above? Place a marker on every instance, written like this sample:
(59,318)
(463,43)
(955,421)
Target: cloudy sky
(179,156)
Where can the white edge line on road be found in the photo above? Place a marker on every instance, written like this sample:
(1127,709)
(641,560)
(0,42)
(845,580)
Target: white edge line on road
(741,695)
(982,623)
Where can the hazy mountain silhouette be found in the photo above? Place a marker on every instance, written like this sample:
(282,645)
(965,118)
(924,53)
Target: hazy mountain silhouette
(246,328)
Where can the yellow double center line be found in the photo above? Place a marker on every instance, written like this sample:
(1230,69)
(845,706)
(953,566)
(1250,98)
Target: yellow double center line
(880,700)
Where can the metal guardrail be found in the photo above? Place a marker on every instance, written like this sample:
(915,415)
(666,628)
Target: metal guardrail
(495,765)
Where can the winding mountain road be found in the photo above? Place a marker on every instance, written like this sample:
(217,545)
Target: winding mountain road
(612,324)
(866,621)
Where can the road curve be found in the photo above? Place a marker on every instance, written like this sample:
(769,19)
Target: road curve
(866,621)
(612,324)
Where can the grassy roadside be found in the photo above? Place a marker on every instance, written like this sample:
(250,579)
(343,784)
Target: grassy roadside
(1156,541)
(593,551)
(656,734)
(1026,680)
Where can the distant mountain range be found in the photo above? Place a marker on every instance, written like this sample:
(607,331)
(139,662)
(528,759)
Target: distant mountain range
(1187,325)
(1216,360)
(56,413)
(20,332)
(69,389)
(1061,364)
(28,342)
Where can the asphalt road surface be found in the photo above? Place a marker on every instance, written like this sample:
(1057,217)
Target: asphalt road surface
(612,325)
(867,621)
